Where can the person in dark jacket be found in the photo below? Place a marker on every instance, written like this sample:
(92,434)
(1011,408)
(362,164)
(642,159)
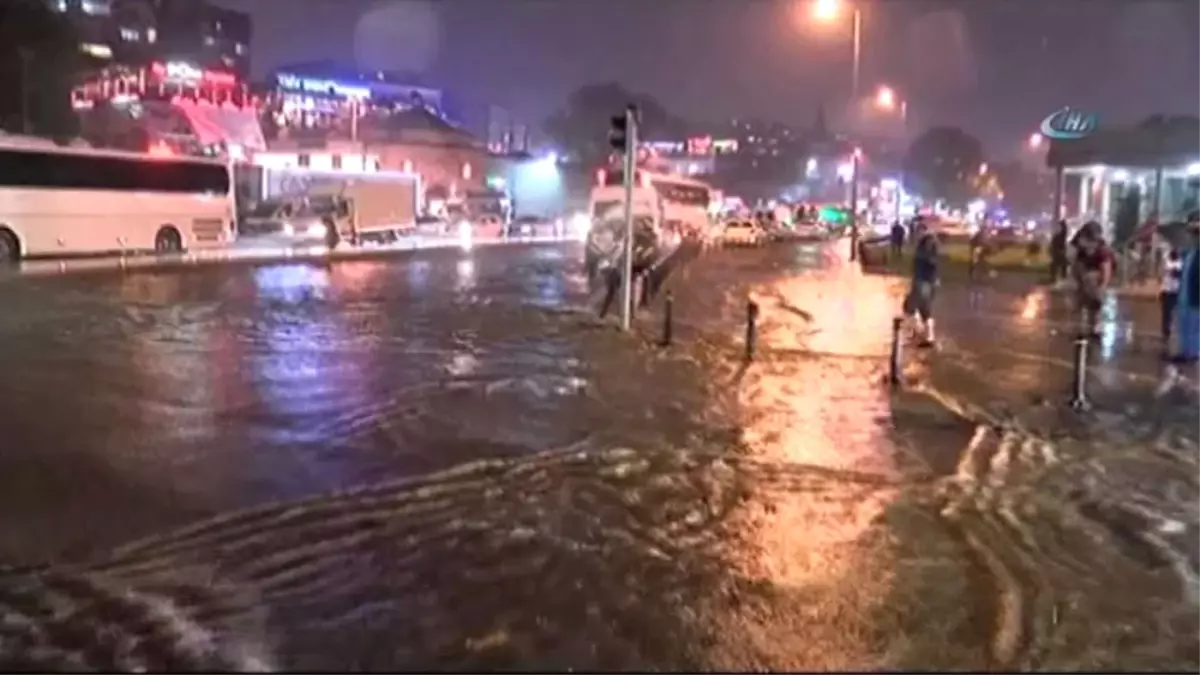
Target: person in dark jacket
(1059,263)
(1094,265)
(897,240)
(925,278)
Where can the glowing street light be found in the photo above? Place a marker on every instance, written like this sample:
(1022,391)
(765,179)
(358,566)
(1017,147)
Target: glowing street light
(983,169)
(1035,141)
(827,10)
(885,98)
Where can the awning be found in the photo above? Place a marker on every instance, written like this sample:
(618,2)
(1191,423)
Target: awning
(215,124)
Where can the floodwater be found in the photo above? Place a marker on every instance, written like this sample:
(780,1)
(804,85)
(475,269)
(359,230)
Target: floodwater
(444,460)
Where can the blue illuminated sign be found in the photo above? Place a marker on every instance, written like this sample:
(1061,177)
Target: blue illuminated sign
(1069,124)
(291,82)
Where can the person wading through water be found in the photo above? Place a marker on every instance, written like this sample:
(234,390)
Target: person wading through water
(1168,295)
(918,305)
(644,241)
(1187,311)
(1093,273)
(1059,264)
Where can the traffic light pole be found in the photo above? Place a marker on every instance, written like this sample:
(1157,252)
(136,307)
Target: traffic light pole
(630,166)
(854,232)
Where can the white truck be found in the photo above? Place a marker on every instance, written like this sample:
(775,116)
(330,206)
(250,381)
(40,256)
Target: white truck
(336,206)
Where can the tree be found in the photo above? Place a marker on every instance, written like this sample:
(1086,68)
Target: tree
(944,163)
(581,127)
(39,63)
(1025,190)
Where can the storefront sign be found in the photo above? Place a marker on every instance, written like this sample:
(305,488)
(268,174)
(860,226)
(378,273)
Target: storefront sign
(289,82)
(185,73)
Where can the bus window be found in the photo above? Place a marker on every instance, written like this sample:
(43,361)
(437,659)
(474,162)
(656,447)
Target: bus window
(20,168)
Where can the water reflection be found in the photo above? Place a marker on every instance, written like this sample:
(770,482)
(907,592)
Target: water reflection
(418,273)
(466,274)
(291,283)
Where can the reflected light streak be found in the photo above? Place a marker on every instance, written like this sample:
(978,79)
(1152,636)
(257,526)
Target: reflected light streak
(823,412)
(1035,305)
(418,273)
(466,274)
(356,275)
(291,283)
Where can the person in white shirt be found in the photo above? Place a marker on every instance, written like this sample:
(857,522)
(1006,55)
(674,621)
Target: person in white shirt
(1168,294)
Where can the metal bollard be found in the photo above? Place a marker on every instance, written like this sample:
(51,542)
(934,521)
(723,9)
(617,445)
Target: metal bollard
(751,328)
(1079,398)
(894,357)
(668,319)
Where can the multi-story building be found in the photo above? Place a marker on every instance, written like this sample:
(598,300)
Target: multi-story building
(323,116)
(111,31)
(166,74)
(204,34)
(324,99)
(133,33)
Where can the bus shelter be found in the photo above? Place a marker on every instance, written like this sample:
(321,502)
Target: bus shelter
(1155,166)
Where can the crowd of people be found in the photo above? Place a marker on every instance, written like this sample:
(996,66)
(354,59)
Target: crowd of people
(1086,260)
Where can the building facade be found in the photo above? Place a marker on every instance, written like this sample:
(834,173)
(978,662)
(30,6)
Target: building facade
(204,35)
(133,33)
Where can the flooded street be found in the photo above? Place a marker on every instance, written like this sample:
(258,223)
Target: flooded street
(444,461)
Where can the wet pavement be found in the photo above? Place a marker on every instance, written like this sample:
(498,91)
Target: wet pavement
(518,485)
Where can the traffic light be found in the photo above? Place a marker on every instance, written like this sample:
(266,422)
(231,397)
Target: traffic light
(618,133)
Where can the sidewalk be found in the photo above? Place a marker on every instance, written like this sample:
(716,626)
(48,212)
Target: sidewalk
(1070,533)
(249,252)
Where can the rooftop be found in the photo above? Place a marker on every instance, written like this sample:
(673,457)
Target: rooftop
(1161,140)
(337,71)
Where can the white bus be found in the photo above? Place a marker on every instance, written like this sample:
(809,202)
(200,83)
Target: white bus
(668,208)
(682,205)
(63,201)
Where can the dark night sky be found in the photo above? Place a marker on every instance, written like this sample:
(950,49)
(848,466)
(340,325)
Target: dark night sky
(995,67)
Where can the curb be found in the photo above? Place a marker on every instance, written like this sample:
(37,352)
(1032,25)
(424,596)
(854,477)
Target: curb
(231,257)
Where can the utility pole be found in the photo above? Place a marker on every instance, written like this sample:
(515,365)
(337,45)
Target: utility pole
(623,137)
(26,66)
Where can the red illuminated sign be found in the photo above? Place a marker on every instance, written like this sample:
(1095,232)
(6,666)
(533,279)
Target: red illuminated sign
(189,74)
(700,145)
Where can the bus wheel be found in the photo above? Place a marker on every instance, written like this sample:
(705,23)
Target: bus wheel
(10,247)
(168,240)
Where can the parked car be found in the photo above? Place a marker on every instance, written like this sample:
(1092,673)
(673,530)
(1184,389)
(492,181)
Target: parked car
(742,233)
(534,226)
(488,226)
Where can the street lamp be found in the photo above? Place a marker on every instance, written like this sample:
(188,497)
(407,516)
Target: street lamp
(886,99)
(855,162)
(828,11)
